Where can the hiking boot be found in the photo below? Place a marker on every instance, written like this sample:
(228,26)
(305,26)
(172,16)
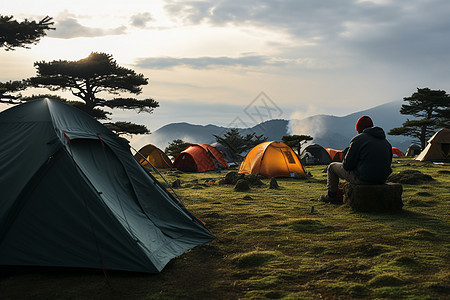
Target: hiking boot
(330,198)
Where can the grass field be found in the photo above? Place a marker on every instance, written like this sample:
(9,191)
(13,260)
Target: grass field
(271,244)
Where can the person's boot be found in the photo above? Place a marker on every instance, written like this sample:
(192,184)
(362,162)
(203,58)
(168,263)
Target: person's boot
(330,198)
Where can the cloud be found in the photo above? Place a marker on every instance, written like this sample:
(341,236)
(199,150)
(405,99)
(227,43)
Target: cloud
(301,123)
(206,62)
(68,27)
(140,20)
(406,33)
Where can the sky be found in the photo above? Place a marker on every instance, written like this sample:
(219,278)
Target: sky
(236,63)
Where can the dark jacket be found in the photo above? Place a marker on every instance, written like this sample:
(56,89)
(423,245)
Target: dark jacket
(369,156)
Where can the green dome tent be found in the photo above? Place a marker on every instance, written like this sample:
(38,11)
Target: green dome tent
(72,195)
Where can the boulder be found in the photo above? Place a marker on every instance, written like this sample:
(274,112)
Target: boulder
(176,184)
(230,178)
(242,185)
(374,198)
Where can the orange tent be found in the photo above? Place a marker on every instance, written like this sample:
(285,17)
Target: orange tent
(396,151)
(336,155)
(155,156)
(199,158)
(272,159)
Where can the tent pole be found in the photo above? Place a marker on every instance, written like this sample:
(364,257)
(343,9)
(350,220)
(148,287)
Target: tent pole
(159,173)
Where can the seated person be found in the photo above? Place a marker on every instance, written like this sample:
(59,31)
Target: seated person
(367,160)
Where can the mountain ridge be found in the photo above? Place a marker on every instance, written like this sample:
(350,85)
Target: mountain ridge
(327,130)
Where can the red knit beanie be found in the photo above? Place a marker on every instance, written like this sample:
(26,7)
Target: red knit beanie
(363,123)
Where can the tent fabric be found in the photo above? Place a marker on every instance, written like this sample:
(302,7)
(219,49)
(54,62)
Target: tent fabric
(272,159)
(216,155)
(225,152)
(83,200)
(438,148)
(200,158)
(150,154)
(315,154)
(413,150)
(397,152)
(336,155)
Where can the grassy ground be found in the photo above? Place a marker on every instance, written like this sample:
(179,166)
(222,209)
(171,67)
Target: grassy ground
(272,244)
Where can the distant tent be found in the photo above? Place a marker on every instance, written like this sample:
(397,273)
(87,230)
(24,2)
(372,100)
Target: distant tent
(315,154)
(272,159)
(438,148)
(397,152)
(225,152)
(155,156)
(200,158)
(413,150)
(80,199)
(336,155)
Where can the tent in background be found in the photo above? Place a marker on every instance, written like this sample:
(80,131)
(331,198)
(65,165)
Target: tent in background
(413,150)
(272,159)
(438,148)
(200,158)
(315,154)
(336,155)
(397,152)
(225,152)
(73,195)
(155,156)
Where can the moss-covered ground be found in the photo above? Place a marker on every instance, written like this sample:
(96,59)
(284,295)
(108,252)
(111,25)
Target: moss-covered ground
(283,244)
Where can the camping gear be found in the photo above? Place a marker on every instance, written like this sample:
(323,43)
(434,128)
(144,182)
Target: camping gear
(397,152)
(272,159)
(336,155)
(315,154)
(73,195)
(150,154)
(438,148)
(413,150)
(200,158)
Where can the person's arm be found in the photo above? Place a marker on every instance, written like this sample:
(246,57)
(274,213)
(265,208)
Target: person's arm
(351,157)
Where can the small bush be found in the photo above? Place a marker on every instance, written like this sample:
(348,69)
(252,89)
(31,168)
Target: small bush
(421,234)
(254,259)
(410,177)
(386,280)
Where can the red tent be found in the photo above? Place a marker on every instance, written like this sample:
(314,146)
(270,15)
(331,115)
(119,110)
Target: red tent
(200,158)
(396,151)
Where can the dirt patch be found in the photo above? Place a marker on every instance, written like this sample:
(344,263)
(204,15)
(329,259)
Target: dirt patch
(410,177)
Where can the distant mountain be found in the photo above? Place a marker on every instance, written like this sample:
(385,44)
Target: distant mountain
(328,131)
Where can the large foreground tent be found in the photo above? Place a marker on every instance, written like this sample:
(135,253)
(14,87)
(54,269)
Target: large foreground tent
(72,195)
(150,154)
(315,154)
(200,158)
(272,159)
(438,148)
